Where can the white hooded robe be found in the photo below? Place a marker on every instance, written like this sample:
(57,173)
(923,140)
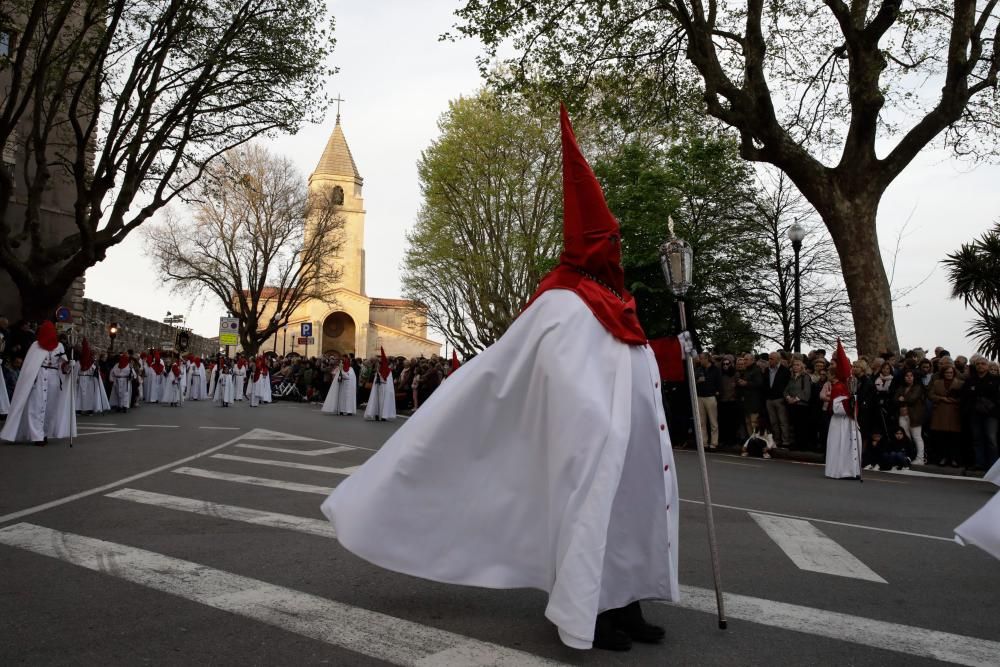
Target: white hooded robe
(382,401)
(842,442)
(544,463)
(343,395)
(41,406)
(91,392)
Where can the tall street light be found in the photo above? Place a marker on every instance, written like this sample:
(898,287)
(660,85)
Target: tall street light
(796,233)
(677,261)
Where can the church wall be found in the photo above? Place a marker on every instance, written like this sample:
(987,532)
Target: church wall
(396,345)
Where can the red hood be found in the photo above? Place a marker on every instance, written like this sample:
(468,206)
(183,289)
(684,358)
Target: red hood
(383,367)
(347,364)
(122,360)
(843,363)
(590,264)
(86,356)
(47,337)
(455,365)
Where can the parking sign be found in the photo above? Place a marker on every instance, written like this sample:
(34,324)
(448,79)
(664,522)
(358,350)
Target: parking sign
(307,329)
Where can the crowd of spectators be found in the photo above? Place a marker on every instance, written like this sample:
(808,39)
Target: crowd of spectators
(926,409)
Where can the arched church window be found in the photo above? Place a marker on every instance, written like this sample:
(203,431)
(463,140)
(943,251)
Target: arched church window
(338,195)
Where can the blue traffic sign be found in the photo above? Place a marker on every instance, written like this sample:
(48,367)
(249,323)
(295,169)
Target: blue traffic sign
(63,314)
(307,329)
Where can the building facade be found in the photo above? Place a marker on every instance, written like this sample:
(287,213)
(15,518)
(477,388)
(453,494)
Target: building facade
(355,323)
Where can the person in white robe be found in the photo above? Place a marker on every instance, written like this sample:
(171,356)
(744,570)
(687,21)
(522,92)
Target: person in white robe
(41,407)
(149,377)
(843,441)
(93,398)
(382,401)
(196,381)
(154,385)
(225,386)
(240,379)
(122,377)
(173,386)
(544,462)
(342,398)
(4,396)
(257,382)
(212,370)
(265,382)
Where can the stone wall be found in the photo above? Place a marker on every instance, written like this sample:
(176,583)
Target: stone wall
(134,332)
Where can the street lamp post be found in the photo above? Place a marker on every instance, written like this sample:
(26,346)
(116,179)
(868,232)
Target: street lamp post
(112,332)
(274,320)
(796,233)
(676,259)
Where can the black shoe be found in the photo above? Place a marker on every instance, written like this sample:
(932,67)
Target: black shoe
(631,622)
(607,636)
(39,443)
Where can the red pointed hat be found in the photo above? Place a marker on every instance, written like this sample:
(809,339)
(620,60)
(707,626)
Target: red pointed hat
(843,363)
(347,364)
(590,264)
(86,356)
(122,360)
(47,336)
(454,361)
(383,366)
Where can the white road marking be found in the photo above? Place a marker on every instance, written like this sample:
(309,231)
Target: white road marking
(90,423)
(264,434)
(300,452)
(815,520)
(159,425)
(287,464)
(811,550)
(369,633)
(257,481)
(934,475)
(220,428)
(322,528)
(920,642)
(105,487)
(103,430)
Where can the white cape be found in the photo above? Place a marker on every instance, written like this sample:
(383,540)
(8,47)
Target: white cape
(382,401)
(343,395)
(4,396)
(994,473)
(224,388)
(543,463)
(92,395)
(40,407)
(196,383)
(983,528)
(842,444)
(173,388)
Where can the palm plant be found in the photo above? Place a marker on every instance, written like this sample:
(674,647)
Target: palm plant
(974,273)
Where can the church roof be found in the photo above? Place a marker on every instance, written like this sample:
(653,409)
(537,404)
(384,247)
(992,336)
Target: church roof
(397,303)
(337,159)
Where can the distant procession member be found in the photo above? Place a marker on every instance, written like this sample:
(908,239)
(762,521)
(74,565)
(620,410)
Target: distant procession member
(93,399)
(196,380)
(843,441)
(255,387)
(224,385)
(343,396)
(240,379)
(173,386)
(41,406)
(382,401)
(122,377)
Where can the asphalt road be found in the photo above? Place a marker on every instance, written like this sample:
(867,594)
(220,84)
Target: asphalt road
(148,543)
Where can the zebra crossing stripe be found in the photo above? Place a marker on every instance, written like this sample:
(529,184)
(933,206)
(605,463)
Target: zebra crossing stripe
(377,635)
(811,550)
(286,464)
(322,528)
(299,452)
(256,481)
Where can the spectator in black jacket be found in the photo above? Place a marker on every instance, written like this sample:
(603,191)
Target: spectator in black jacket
(750,390)
(981,401)
(775,380)
(708,382)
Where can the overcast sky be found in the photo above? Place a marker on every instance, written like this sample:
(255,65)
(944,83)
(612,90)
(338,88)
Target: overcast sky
(397,78)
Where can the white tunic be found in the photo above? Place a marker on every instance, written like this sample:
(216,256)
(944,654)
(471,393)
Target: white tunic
(224,388)
(983,528)
(150,384)
(41,406)
(240,378)
(92,397)
(173,388)
(544,463)
(993,475)
(343,395)
(382,402)
(121,386)
(196,383)
(842,443)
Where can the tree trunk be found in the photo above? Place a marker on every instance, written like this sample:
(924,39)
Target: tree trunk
(852,226)
(39,302)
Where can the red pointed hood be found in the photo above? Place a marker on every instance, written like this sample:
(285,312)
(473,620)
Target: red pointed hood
(86,356)
(122,360)
(176,369)
(47,337)
(454,361)
(197,362)
(590,264)
(241,363)
(383,367)
(347,364)
(843,363)
(591,236)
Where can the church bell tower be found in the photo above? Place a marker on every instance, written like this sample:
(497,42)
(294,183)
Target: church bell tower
(336,170)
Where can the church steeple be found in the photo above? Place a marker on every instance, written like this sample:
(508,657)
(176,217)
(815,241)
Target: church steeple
(337,159)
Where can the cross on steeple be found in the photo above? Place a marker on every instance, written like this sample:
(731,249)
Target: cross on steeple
(338,99)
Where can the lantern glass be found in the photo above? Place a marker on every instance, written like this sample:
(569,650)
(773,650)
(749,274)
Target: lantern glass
(796,233)
(676,259)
